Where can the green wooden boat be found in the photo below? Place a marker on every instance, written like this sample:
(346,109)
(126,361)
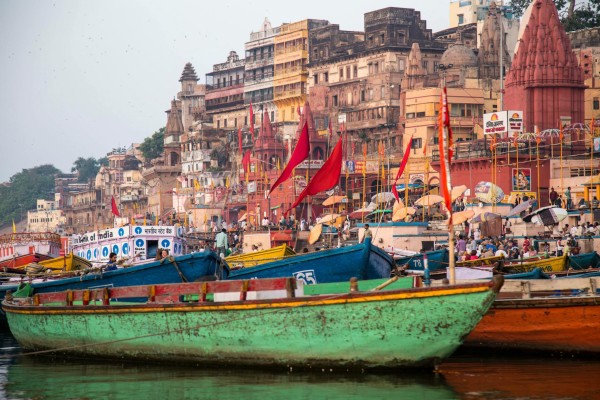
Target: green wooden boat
(263,322)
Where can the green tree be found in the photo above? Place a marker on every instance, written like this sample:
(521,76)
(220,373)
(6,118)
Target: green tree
(24,189)
(152,147)
(86,168)
(573,15)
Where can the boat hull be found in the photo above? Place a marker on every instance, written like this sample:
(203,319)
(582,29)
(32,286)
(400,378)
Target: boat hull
(584,260)
(362,261)
(260,257)
(436,260)
(404,328)
(565,324)
(552,264)
(68,262)
(192,267)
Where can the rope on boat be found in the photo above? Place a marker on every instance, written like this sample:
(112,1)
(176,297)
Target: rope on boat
(167,332)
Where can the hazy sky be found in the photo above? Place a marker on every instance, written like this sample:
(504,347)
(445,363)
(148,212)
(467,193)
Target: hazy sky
(79,78)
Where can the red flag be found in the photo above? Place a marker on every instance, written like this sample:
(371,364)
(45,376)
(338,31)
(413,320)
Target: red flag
(240,139)
(330,129)
(325,178)
(402,166)
(252,122)
(445,146)
(300,154)
(246,161)
(113,205)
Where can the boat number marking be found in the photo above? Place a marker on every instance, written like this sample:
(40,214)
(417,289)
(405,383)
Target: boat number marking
(308,277)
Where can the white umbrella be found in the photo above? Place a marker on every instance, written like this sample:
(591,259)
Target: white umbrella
(383,197)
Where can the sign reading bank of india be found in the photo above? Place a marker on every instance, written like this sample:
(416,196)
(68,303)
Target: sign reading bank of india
(503,122)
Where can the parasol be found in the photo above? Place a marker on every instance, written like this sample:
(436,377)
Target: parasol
(461,216)
(383,197)
(333,200)
(458,191)
(429,200)
(398,205)
(401,213)
(523,206)
(328,218)
(547,216)
(484,217)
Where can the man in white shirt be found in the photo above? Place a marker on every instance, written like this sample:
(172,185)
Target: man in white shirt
(476,234)
(574,230)
(501,252)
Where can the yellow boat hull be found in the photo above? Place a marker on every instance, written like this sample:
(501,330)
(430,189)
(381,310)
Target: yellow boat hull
(68,262)
(552,264)
(260,257)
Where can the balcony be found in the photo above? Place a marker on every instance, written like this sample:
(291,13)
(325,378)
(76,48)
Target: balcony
(286,94)
(258,99)
(250,80)
(224,105)
(258,62)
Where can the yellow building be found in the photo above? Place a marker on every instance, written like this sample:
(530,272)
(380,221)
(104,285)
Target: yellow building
(420,123)
(291,71)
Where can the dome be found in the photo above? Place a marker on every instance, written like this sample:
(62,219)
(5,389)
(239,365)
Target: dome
(459,56)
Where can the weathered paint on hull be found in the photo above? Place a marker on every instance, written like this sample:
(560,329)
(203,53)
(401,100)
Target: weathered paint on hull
(569,324)
(68,262)
(410,328)
(552,264)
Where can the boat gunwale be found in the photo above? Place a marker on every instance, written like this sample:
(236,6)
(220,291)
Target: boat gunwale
(287,302)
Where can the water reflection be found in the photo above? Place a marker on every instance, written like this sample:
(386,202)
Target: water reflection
(467,376)
(38,378)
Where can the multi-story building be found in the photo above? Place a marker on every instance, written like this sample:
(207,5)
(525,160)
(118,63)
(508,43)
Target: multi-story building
(259,70)
(464,12)
(47,217)
(225,94)
(291,70)
(586,46)
(355,81)
(161,178)
(192,98)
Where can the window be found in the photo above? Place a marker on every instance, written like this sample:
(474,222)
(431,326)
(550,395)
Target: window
(326,77)
(272,116)
(246,120)
(348,72)
(355,72)
(596,103)
(425,65)
(410,115)
(334,100)
(383,92)
(421,114)
(362,95)
(376,68)
(461,19)
(326,101)
(218,124)
(225,123)
(316,78)
(417,143)
(341,73)
(235,122)
(370,94)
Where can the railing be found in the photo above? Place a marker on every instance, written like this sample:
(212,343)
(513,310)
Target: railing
(210,107)
(264,60)
(169,293)
(251,79)
(25,237)
(226,85)
(288,93)
(258,99)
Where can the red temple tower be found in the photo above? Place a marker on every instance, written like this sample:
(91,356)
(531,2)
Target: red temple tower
(545,79)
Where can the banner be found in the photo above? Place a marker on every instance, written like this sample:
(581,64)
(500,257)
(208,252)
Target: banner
(521,179)
(515,121)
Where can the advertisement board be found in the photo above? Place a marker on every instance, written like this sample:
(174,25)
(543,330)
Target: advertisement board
(495,123)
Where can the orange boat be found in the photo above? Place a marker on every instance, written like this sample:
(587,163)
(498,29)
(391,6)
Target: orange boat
(561,315)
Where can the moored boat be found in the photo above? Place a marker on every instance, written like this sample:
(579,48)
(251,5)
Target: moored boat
(265,322)
(14,263)
(436,260)
(68,262)
(260,257)
(187,268)
(561,315)
(362,261)
(584,260)
(550,264)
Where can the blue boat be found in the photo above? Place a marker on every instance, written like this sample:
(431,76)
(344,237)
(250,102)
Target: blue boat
(186,268)
(437,260)
(363,261)
(536,273)
(584,260)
